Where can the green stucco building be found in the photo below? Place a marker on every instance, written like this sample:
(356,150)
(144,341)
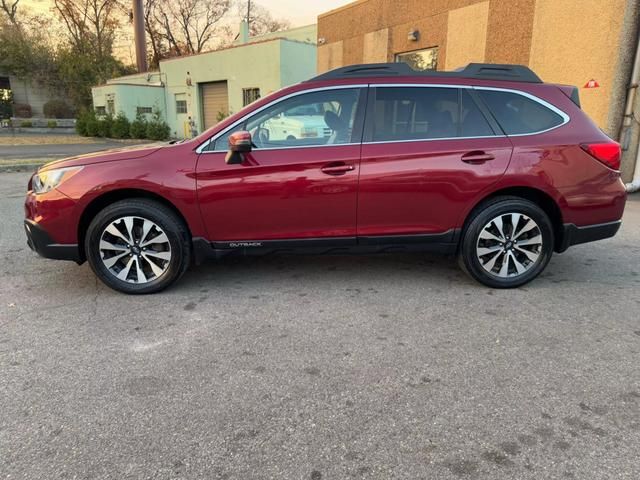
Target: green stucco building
(209,86)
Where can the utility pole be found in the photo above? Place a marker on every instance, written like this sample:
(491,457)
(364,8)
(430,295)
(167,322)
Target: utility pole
(248,15)
(139,35)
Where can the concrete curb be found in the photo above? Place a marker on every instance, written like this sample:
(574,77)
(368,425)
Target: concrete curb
(26,165)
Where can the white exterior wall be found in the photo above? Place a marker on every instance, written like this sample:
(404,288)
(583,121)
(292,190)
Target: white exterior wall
(268,63)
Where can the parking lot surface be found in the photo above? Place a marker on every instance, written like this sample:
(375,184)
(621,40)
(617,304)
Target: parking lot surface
(384,367)
(32,148)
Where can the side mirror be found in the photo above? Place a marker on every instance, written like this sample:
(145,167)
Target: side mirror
(239,144)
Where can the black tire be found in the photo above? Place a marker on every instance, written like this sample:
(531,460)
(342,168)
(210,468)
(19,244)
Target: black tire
(469,257)
(176,231)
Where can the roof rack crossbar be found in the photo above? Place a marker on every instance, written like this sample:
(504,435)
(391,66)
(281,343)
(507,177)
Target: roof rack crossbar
(479,71)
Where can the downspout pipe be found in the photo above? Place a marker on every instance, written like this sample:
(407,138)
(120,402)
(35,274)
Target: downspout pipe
(634,185)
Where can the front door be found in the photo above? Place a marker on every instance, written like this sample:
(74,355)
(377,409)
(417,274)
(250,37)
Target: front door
(429,152)
(296,186)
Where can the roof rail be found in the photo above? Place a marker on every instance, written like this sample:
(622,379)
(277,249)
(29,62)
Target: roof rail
(477,71)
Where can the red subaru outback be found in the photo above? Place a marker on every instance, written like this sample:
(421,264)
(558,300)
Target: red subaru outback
(488,163)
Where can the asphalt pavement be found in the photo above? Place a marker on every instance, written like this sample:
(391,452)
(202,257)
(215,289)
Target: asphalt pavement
(378,367)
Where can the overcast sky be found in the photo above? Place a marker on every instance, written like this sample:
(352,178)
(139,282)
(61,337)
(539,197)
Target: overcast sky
(298,12)
(301,12)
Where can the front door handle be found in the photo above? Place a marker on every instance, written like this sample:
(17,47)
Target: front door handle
(337,168)
(477,157)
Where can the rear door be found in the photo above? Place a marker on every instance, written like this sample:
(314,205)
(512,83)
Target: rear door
(429,151)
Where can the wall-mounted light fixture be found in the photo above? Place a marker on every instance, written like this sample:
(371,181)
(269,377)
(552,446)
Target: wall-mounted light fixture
(322,41)
(413,35)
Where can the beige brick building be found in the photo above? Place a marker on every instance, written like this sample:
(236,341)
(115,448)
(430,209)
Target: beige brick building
(563,41)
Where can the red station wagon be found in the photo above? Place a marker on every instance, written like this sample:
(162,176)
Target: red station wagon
(488,163)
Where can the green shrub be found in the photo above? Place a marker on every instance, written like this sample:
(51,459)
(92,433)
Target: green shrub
(93,126)
(104,126)
(158,130)
(85,118)
(57,109)
(139,127)
(121,126)
(26,124)
(52,124)
(221,115)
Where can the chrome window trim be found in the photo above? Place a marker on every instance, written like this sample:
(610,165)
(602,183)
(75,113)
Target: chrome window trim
(291,147)
(203,145)
(565,117)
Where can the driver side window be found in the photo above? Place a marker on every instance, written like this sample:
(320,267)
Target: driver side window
(309,119)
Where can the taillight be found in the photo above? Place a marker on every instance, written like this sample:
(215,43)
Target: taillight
(607,153)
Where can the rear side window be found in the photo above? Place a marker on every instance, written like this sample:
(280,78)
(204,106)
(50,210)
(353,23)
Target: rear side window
(426,113)
(517,114)
(472,121)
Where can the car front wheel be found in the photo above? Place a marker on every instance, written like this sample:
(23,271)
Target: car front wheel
(137,246)
(507,242)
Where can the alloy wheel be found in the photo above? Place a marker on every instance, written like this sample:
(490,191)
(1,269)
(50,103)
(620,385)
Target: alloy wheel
(509,245)
(135,249)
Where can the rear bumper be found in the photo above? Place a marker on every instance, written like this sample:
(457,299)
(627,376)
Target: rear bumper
(40,242)
(574,235)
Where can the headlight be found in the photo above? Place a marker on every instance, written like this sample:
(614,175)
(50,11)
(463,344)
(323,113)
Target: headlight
(43,182)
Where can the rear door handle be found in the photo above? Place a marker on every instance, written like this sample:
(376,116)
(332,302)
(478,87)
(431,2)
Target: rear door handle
(337,169)
(477,157)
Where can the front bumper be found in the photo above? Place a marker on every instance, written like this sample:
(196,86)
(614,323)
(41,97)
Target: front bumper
(574,235)
(40,242)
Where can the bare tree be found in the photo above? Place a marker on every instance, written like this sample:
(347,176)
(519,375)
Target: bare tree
(198,19)
(90,24)
(260,19)
(186,27)
(154,35)
(10,8)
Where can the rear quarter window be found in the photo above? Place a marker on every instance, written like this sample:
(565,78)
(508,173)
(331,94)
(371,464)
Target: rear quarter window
(519,115)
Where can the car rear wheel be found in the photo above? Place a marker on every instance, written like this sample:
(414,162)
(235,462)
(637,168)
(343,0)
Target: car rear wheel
(507,242)
(137,246)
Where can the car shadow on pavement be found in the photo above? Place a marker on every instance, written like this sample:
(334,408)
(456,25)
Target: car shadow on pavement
(356,269)
(579,265)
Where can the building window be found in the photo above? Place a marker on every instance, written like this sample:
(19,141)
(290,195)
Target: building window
(426,59)
(5,98)
(181,106)
(102,110)
(144,110)
(111,108)
(250,95)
